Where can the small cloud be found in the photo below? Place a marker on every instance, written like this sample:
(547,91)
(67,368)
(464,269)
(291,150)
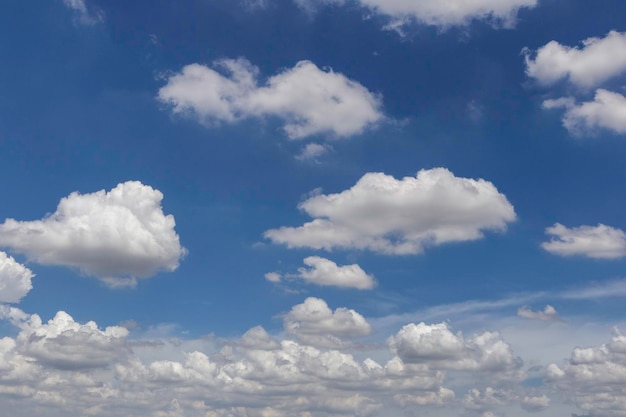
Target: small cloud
(549,313)
(312,151)
(599,242)
(84,15)
(273,277)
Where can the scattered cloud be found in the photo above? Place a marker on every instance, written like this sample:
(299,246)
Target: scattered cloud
(15,280)
(535,404)
(312,151)
(600,242)
(315,323)
(309,101)
(549,313)
(84,15)
(117,236)
(606,111)
(443,14)
(392,216)
(324,272)
(599,60)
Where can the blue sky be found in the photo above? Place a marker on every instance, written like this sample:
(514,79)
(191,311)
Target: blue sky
(312,208)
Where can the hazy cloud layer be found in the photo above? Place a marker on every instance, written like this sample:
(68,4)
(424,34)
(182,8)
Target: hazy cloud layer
(116,236)
(308,100)
(15,279)
(598,60)
(442,13)
(601,241)
(385,215)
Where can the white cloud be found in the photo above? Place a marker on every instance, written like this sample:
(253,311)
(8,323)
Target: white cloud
(549,313)
(606,111)
(535,404)
(83,15)
(601,241)
(315,323)
(15,279)
(595,378)
(436,345)
(65,344)
(443,13)
(322,271)
(117,236)
(312,151)
(308,100)
(273,277)
(392,216)
(597,61)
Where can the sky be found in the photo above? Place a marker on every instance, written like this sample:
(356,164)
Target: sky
(312,208)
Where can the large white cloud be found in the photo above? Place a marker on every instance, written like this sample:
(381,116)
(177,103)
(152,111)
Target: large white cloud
(15,279)
(65,344)
(606,111)
(392,216)
(443,13)
(309,100)
(601,241)
(315,323)
(118,236)
(437,346)
(597,61)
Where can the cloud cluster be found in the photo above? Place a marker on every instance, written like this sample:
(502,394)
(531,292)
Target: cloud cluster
(443,13)
(117,236)
(598,61)
(423,343)
(325,272)
(392,216)
(15,280)
(315,323)
(595,378)
(69,368)
(600,242)
(308,100)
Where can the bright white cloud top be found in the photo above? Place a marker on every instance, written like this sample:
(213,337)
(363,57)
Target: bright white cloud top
(315,323)
(599,60)
(308,100)
(15,279)
(606,111)
(117,236)
(601,241)
(386,215)
(443,13)
(325,272)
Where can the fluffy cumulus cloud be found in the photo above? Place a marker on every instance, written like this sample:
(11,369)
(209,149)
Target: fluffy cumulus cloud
(315,323)
(65,344)
(391,216)
(549,313)
(595,378)
(307,99)
(118,236)
(606,111)
(598,60)
(600,242)
(67,368)
(423,343)
(15,279)
(325,272)
(443,13)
